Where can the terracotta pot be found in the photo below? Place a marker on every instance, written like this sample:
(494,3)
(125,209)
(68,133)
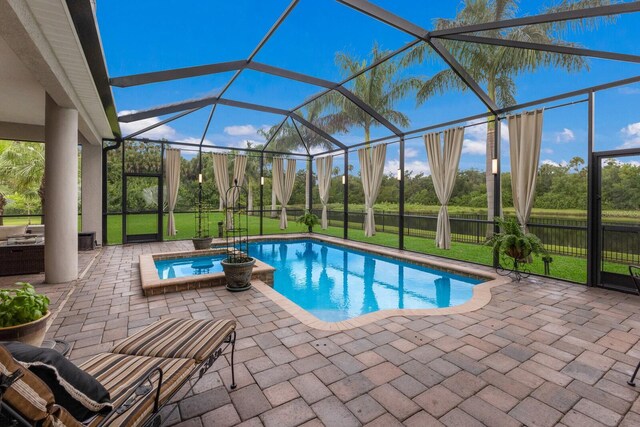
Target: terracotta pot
(202,242)
(238,275)
(29,333)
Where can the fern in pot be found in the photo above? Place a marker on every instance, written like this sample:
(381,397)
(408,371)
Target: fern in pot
(308,219)
(513,243)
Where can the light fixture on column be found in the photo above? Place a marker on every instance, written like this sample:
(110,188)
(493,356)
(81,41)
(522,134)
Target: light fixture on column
(262,180)
(399,174)
(199,178)
(344,179)
(494,166)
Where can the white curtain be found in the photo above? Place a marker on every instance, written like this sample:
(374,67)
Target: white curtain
(324,166)
(371,171)
(283,185)
(239,166)
(525,139)
(172,171)
(443,163)
(222,176)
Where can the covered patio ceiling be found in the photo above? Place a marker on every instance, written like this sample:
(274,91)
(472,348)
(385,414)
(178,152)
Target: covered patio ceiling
(436,40)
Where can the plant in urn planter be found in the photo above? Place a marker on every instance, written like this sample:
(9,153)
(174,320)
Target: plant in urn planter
(23,315)
(238,266)
(202,239)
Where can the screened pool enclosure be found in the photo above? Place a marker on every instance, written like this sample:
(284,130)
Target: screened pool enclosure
(417,147)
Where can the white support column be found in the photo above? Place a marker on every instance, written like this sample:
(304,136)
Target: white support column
(61,193)
(92,189)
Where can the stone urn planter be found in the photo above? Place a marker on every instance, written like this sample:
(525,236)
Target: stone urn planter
(29,333)
(238,273)
(202,242)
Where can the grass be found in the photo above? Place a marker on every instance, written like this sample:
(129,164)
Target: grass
(563,267)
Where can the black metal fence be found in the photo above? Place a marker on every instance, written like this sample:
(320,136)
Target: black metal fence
(621,243)
(560,236)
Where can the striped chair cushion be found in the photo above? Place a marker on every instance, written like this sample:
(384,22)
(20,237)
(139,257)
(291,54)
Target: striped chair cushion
(60,417)
(119,373)
(29,395)
(184,338)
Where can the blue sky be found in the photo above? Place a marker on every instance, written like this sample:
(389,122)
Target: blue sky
(144,35)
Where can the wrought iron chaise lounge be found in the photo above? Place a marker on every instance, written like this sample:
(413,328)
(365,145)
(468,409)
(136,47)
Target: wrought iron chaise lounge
(141,374)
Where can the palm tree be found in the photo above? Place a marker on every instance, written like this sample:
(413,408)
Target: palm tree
(23,162)
(497,66)
(380,88)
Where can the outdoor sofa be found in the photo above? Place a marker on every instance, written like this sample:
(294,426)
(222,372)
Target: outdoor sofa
(141,375)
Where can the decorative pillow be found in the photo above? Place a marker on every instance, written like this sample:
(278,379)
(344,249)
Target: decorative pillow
(75,390)
(28,395)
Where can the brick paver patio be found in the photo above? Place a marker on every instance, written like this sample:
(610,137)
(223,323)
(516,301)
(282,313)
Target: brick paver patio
(541,353)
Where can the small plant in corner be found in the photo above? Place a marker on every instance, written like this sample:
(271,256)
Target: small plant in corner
(23,314)
(309,219)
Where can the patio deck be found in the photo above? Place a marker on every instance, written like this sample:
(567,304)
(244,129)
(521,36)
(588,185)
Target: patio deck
(543,353)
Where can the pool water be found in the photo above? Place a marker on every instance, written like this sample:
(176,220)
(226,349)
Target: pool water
(335,283)
(192,266)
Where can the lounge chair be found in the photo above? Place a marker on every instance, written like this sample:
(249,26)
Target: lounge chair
(141,374)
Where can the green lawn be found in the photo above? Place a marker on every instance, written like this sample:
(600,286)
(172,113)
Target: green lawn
(563,267)
(185,226)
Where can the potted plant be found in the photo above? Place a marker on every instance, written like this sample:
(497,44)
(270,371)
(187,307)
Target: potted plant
(512,242)
(238,266)
(23,314)
(202,239)
(309,219)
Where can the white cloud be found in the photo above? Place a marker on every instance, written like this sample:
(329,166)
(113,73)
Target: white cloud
(554,163)
(475,137)
(474,147)
(417,166)
(547,150)
(237,136)
(410,153)
(240,130)
(566,135)
(630,136)
(160,132)
(626,90)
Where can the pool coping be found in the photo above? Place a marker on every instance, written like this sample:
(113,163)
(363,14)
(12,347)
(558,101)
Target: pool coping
(481,292)
(152,284)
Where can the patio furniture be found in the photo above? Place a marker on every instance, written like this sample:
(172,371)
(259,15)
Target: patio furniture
(142,374)
(21,258)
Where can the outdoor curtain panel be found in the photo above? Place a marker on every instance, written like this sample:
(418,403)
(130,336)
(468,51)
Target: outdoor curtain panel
(221,175)
(239,166)
(222,180)
(525,139)
(371,171)
(173,184)
(443,163)
(283,185)
(324,166)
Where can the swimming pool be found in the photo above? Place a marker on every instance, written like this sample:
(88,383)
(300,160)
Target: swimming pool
(336,283)
(189,266)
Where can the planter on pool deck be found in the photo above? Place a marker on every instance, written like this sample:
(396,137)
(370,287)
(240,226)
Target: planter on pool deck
(202,242)
(29,333)
(238,275)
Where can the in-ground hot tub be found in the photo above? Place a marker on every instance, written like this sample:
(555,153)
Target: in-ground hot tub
(180,271)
